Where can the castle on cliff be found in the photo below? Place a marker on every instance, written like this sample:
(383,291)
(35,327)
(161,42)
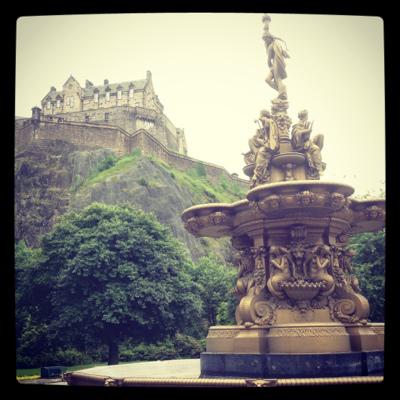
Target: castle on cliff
(131,105)
(120,117)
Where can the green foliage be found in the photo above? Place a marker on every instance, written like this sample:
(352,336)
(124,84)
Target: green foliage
(111,272)
(216,282)
(202,187)
(180,346)
(114,167)
(107,163)
(143,182)
(136,152)
(57,356)
(149,352)
(199,170)
(369,267)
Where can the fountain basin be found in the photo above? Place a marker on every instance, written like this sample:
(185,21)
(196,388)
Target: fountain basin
(317,204)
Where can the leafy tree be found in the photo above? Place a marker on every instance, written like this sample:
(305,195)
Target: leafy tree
(369,267)
(216,283)
(112,272)
(29,331)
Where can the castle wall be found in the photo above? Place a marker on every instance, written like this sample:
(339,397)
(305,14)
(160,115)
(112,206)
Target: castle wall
(117,140)
(111,138)
(149,145)
(129,119)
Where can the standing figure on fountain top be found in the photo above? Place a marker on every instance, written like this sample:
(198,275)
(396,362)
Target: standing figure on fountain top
(301,141)
(276,60)
(264,144)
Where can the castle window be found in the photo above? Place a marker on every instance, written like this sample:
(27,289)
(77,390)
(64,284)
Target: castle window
(48,105)
(131,92)
(58,103)
(119,94)
(106,116)
(96,97)
(107,96)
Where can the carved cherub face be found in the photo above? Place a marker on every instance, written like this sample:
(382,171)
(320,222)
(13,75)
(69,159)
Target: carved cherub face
(273,201)
(337,200)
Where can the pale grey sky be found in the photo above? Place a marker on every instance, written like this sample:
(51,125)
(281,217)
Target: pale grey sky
(209,70)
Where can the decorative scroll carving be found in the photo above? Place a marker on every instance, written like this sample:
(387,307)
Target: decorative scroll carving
(255,309)
(342,238)
(348,304)
(264,312)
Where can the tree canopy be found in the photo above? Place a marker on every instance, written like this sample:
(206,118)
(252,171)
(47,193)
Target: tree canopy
(369,267)
(111,272)
(216,282)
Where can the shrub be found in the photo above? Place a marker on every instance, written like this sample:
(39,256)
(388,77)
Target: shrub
(65,357)
(107,163)
(180,346)
(71,357)
(149,352)
(143,182)
(188,346)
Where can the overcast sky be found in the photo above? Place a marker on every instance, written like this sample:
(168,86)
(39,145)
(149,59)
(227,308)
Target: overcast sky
(209,69)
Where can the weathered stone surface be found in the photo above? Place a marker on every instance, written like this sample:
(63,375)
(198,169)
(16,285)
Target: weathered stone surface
(44,174)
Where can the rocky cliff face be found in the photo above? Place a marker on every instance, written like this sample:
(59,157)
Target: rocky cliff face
(52,177)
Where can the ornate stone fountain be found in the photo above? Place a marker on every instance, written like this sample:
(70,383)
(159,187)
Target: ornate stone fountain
(300,311)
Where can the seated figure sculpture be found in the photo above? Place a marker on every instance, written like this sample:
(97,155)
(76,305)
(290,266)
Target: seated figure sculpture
(310,147)
(264,144)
